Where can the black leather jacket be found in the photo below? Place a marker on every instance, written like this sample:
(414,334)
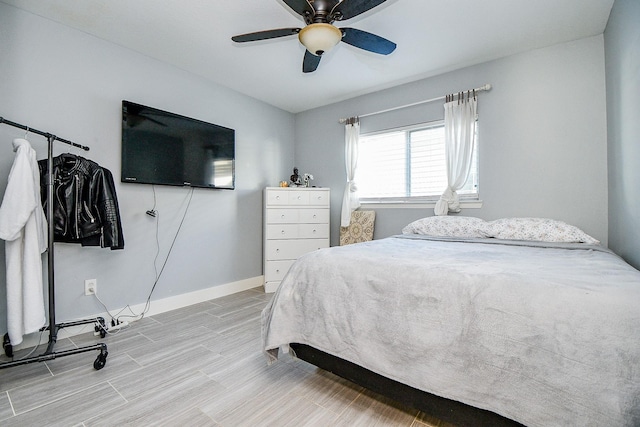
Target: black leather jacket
(85,208)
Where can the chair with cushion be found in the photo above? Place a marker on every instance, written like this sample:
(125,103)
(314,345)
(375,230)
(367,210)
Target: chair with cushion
(360,228)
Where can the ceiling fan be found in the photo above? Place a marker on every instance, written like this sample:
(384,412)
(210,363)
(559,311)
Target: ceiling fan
(320,35)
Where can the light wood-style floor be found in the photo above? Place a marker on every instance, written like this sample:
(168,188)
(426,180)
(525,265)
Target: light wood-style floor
(197,366)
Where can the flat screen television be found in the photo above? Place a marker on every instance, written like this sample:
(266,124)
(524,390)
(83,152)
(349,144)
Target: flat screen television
(164,148)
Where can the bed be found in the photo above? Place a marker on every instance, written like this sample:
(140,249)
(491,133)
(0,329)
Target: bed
(522,320)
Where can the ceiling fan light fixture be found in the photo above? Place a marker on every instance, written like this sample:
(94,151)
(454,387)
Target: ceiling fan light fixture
(319,38)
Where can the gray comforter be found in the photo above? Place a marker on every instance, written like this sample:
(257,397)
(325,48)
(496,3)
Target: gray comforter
(547,335)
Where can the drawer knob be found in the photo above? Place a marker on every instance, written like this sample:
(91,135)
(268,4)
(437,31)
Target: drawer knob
(282,232)
(314,231)
(277,270)
(315,216)
(299,197)
(277,250)
(277,197)
(282,216)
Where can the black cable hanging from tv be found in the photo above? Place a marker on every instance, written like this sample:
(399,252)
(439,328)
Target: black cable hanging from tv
(54,327)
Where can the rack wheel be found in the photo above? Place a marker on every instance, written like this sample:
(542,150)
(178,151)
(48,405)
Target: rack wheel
(101,327)
(6,345)
(100,361)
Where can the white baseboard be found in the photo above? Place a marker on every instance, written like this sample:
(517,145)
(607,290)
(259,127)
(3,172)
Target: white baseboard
(156,307)
(190,298)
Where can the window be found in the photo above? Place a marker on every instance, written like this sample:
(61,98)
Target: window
(408,165)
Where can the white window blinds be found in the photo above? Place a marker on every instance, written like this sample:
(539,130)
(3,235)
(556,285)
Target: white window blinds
(406,164)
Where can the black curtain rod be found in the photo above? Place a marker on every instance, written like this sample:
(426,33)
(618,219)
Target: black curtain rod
(45,134)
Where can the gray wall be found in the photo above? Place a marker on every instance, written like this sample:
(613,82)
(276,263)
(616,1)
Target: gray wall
(543,149)
(66,82)
(622,59)
(542,136)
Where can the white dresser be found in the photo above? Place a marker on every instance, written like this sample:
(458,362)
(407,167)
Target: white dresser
(296,221)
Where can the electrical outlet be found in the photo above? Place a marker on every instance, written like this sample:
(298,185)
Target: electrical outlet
(90,286)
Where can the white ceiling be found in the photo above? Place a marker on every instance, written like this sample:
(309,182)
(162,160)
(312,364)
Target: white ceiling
(433,36)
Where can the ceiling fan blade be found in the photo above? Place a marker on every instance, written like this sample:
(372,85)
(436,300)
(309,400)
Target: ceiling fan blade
(347,9)
(367,41)
(310,62)
(300,6)
(263,35)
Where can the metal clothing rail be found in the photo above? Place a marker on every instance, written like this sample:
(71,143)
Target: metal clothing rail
(439,98)
(54,327)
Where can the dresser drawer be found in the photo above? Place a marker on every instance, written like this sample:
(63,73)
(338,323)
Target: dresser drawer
(301,215)
(275,270)
(282,216)
(277,197)
(297,231)
(271,287)
(298,197)
(283,231)
(313,231)
(319,198)
(313,216)
(291,197)
(292,249)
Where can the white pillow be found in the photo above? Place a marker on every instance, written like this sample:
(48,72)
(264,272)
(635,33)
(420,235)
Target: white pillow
(538,229)
(448,226)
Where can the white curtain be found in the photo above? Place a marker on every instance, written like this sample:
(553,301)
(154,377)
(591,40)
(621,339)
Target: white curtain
(350,201)
(459,131)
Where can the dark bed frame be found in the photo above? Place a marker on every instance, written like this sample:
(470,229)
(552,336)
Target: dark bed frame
(445,409)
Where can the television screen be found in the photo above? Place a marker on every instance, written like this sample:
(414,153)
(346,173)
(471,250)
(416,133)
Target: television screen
(159,147)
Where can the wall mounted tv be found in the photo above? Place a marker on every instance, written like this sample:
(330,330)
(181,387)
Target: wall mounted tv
(163,148)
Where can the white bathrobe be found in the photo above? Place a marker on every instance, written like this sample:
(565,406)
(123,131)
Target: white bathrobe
(24,227)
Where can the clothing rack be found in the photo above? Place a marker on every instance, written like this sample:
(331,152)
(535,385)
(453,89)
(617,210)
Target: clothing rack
(54,327)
